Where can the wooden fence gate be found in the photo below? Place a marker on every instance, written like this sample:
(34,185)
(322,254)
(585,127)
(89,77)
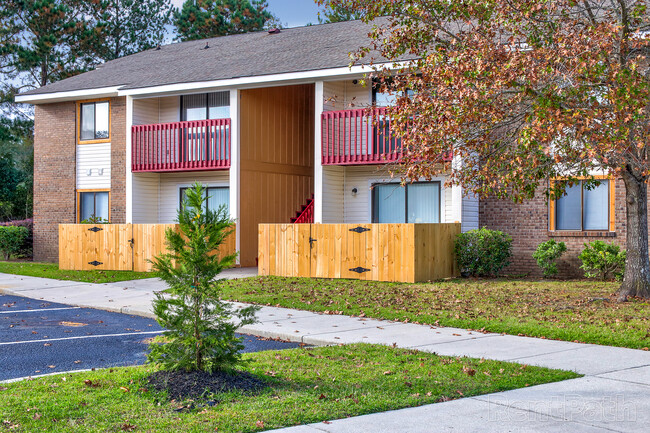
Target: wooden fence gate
(380,252)
(115,247)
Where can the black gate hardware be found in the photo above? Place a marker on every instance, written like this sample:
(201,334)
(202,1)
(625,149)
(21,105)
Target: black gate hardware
(95,262)
(359,229)
(311,242)
(95,229)
(359,270)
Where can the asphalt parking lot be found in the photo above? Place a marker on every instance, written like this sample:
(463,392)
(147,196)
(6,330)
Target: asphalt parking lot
(38,337)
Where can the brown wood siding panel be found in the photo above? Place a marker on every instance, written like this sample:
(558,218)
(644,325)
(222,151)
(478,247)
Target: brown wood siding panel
(277,153)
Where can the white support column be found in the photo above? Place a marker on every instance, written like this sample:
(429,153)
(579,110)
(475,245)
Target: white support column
(235,162)
(129,173)
(318,167)
(456,196)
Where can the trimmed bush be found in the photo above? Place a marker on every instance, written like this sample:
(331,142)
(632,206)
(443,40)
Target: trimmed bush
(603,261)
(26,248)
(11,240)
(546,255)
(483,252)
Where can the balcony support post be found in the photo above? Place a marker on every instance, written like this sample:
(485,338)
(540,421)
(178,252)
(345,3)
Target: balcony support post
(318,152)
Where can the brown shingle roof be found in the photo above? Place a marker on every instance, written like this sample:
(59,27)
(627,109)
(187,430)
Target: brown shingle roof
(299,49)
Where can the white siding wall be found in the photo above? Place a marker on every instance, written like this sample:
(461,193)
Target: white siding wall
(358,207)
(333,188)
(170,109)
(170,184)
(470,212)
(344,95)
(94,157)
(145,198)
(145,111)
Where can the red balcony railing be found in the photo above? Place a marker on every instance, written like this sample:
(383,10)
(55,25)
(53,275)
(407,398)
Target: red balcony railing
(357,137)
(181,146)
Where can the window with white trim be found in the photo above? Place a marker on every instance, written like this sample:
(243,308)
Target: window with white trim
(216,197)
(414,203)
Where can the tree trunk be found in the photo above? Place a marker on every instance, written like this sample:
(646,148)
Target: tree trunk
(636,280)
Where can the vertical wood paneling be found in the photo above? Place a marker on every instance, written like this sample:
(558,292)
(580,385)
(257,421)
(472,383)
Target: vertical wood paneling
(78,246)
(276,145)
(391,252)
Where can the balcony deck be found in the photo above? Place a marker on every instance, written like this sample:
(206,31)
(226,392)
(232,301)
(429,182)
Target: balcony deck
(181,146)
(358,137)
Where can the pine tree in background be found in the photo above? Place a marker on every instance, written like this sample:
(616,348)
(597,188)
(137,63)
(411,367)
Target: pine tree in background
(118,28)
(200,332)
(200,19)
(40,43)
(336,13)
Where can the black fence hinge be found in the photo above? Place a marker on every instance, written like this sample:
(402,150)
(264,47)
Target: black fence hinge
(359,229)
(359,270)
(95,262)
(95,229)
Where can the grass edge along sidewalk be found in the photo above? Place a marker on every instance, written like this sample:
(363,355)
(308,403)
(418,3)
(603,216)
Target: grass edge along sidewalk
(51,270)
(574,310)
(305,386)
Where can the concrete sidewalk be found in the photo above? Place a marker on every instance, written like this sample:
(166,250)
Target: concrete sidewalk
(614,395)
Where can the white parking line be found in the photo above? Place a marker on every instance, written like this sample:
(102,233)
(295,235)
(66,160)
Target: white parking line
(49,340)
(19,379)
(42,309)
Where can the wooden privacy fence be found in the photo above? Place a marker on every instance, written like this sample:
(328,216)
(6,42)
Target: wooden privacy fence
(115,247)
(379,252)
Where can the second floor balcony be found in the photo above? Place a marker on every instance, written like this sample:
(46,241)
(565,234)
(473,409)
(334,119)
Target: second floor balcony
(358,137)
(181,146)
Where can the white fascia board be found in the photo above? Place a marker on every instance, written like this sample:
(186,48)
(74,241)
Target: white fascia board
(74,95)
(258,81)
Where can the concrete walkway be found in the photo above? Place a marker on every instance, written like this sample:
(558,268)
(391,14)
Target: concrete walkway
(614,395)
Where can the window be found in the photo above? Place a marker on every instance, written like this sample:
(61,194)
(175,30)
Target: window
(583,209)
(94,121)
(205,106)
(216,197)
(94,205)
(415,203)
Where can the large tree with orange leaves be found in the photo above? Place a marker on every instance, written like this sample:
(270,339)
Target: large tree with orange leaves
(523,91)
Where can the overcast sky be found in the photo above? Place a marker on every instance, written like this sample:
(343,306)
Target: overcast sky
(293,13)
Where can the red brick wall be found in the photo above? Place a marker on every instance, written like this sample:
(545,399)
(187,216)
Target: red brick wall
(55,172)
(54,175)
(528,224)
(118,160)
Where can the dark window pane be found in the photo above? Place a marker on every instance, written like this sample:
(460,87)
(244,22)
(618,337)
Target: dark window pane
(87,121)
(389,203)
(596,207)
(86,205)
(423,202)
(568,209)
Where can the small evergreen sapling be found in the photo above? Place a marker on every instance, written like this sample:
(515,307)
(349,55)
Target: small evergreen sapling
(200,328)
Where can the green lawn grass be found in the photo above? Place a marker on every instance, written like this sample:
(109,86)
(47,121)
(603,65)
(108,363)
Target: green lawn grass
(584,311)
(305,385)
(51,270)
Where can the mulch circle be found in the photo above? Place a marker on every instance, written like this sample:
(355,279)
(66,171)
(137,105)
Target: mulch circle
(181,385)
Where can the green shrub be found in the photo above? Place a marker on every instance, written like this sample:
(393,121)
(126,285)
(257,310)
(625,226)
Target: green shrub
(546,255)
(12,239)
(483,252)
(603,261)
(200,328)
